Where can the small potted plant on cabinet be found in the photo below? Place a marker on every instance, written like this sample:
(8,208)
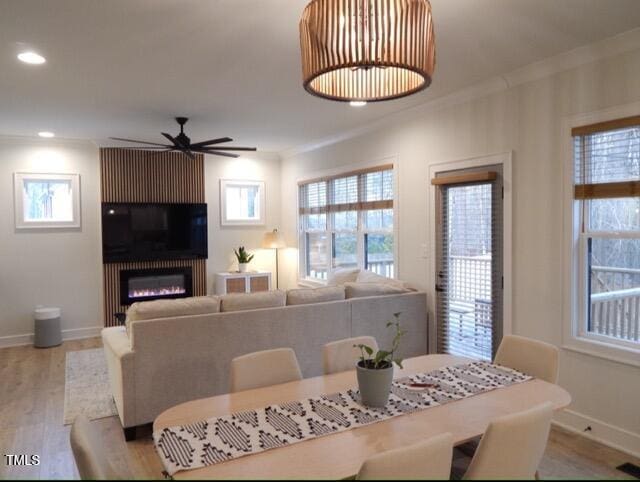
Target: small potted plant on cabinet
(244,258)
(375,370)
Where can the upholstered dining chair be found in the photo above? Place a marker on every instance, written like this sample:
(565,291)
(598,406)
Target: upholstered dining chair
(533,357)
(426,460)
(529,356)
(90,453)
(512,446)
(264,368)
(340,356)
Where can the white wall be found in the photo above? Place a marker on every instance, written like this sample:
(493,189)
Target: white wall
(223,239)
(57,268)
(526,119)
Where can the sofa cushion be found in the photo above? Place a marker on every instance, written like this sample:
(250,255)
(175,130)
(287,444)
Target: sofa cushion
(370,277)
(150,310)
(359,290)
(252,301)
(341,276)
(315,295)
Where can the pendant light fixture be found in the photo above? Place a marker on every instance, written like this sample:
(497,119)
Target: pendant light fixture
(367,50)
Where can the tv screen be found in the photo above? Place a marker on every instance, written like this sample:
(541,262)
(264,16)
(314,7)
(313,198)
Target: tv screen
(150,232)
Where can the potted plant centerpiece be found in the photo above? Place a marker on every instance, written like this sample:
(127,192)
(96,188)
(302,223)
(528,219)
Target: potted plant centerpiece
(375,370)
(244,259)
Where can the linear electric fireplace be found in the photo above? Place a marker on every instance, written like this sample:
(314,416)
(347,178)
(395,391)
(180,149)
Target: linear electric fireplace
(154,283)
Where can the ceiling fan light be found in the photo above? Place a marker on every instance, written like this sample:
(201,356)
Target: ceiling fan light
(367,50)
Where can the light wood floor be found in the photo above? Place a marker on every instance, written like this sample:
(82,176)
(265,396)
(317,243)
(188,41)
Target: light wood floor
(31,408)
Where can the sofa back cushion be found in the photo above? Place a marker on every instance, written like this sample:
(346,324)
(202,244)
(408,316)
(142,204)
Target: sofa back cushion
(359,290)
(197,305)
(252,301)
(151,310)
(315,295)
(370,277)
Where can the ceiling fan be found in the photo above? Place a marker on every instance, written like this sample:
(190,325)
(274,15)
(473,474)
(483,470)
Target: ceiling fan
(182,143)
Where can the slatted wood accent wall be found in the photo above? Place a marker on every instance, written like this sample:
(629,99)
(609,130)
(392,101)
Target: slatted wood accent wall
(153,177)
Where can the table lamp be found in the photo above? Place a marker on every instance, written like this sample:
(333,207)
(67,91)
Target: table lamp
(274,240)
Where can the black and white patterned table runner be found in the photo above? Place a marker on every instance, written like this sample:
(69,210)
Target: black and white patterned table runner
(232,436)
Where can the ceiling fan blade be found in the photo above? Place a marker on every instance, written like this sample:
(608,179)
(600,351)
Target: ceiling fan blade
(146,148)
(216,153)
(212,141)
(138,142)
(222,148)
(189,154)
(171,138)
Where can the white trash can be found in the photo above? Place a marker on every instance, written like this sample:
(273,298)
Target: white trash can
(47,331)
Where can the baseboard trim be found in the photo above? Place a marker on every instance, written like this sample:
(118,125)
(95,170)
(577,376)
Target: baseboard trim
(604,433)
(72,334)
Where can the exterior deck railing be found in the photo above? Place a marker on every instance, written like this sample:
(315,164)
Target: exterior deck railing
(615,302)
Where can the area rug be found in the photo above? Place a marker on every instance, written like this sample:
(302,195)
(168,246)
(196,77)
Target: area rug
(86,386)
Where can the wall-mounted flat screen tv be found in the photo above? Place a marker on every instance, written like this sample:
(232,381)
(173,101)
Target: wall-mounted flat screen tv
(152,232)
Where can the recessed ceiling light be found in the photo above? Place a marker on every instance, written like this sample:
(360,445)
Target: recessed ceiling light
(31,58)
(46,134)
(357,103)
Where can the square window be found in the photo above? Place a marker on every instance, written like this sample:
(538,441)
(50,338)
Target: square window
(242,202)
(47,200)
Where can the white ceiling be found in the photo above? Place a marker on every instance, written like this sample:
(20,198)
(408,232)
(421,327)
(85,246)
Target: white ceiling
(126,67)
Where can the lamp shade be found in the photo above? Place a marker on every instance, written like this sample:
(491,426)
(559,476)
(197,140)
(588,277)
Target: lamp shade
(273,240)
(367,50)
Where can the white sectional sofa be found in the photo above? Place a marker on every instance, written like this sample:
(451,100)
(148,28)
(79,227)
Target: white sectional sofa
(157,363)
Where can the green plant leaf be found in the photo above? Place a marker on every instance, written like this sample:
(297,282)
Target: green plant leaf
(368,349)
(382,355)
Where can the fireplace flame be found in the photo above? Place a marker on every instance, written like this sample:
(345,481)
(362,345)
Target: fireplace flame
(165,291)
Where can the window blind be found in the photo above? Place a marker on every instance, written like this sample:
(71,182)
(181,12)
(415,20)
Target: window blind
(469,280)
(607,159)
(364,190)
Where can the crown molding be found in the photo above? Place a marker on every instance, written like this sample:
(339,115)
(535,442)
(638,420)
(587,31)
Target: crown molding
(621,43)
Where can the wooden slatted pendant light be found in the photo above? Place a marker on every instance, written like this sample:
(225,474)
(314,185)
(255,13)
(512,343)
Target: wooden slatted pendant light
(367,50)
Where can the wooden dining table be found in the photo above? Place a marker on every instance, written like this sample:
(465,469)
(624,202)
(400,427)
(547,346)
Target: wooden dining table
(340,455)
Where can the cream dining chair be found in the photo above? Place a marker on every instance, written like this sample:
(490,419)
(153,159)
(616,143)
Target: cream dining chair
(427,460)
(264,368)
(512,446)
(90,454)
(529,356)
(340,356)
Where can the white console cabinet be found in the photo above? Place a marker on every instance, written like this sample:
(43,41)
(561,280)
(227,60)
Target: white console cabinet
(249,282)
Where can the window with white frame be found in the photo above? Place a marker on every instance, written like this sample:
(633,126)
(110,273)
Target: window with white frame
(607,190)
(45,201)
(346,221)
